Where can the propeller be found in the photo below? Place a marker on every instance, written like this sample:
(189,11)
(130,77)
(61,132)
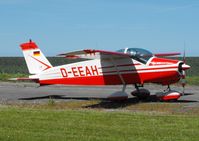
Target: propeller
(183,82)
(183,73)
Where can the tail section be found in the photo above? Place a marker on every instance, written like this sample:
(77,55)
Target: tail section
(35,59)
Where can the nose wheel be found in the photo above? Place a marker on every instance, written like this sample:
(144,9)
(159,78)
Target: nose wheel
(168,95)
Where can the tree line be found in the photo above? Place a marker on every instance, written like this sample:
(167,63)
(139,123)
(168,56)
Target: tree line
(13,65)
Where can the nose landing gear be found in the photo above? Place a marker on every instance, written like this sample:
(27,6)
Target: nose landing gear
(168,95)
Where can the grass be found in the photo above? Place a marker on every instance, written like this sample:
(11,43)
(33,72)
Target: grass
(101,105)
(21,124)
(98,120)
(105,121)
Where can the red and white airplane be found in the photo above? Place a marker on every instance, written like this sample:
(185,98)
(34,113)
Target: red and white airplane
(134,66)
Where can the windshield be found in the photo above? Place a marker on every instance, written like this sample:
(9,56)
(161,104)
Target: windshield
(138,54)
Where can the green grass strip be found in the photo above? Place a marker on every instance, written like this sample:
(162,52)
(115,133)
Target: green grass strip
(19,124)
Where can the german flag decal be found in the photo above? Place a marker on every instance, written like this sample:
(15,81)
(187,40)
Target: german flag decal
(36,53)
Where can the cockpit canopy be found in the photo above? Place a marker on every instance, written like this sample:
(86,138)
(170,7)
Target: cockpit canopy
(138,54)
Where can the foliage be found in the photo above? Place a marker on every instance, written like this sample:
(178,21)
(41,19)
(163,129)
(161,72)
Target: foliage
(6,76)
(13,65)
(194,80)
(194,63)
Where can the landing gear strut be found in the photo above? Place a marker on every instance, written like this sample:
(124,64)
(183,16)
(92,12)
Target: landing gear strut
(168,89)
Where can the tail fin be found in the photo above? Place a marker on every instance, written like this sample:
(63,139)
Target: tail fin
(35,59)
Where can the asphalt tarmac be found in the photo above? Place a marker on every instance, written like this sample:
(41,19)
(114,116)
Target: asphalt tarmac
(32,93)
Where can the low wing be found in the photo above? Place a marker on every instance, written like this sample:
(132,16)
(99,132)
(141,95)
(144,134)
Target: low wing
(94,54)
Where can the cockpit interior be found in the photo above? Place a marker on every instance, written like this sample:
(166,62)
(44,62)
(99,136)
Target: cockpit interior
(138,54)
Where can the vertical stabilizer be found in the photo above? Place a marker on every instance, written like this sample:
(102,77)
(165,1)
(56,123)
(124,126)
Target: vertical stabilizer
(35,59)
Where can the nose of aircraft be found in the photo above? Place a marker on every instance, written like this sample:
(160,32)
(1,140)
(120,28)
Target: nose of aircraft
(185,67)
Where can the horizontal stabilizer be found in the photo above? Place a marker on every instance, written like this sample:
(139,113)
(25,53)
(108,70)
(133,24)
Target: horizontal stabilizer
(36,80)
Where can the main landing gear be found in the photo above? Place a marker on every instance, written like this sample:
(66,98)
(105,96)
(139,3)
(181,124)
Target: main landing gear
(142,94)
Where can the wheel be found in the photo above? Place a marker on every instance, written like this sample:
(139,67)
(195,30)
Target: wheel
(170,96)
(141,93)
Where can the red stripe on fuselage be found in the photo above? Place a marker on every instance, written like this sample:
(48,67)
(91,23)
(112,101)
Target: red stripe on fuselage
(131,78)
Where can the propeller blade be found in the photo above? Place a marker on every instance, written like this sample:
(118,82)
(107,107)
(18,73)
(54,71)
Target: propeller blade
(184,57)
(183,80)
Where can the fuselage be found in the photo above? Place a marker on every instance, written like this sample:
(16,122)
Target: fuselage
(104,72)
(126,66)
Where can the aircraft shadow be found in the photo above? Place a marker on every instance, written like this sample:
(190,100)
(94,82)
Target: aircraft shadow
(61,97)
(105,103)
(108,104)
(184,101)
(187,94)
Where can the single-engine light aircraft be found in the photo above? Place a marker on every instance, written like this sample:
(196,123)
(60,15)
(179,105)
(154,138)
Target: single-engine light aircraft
(134,66)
